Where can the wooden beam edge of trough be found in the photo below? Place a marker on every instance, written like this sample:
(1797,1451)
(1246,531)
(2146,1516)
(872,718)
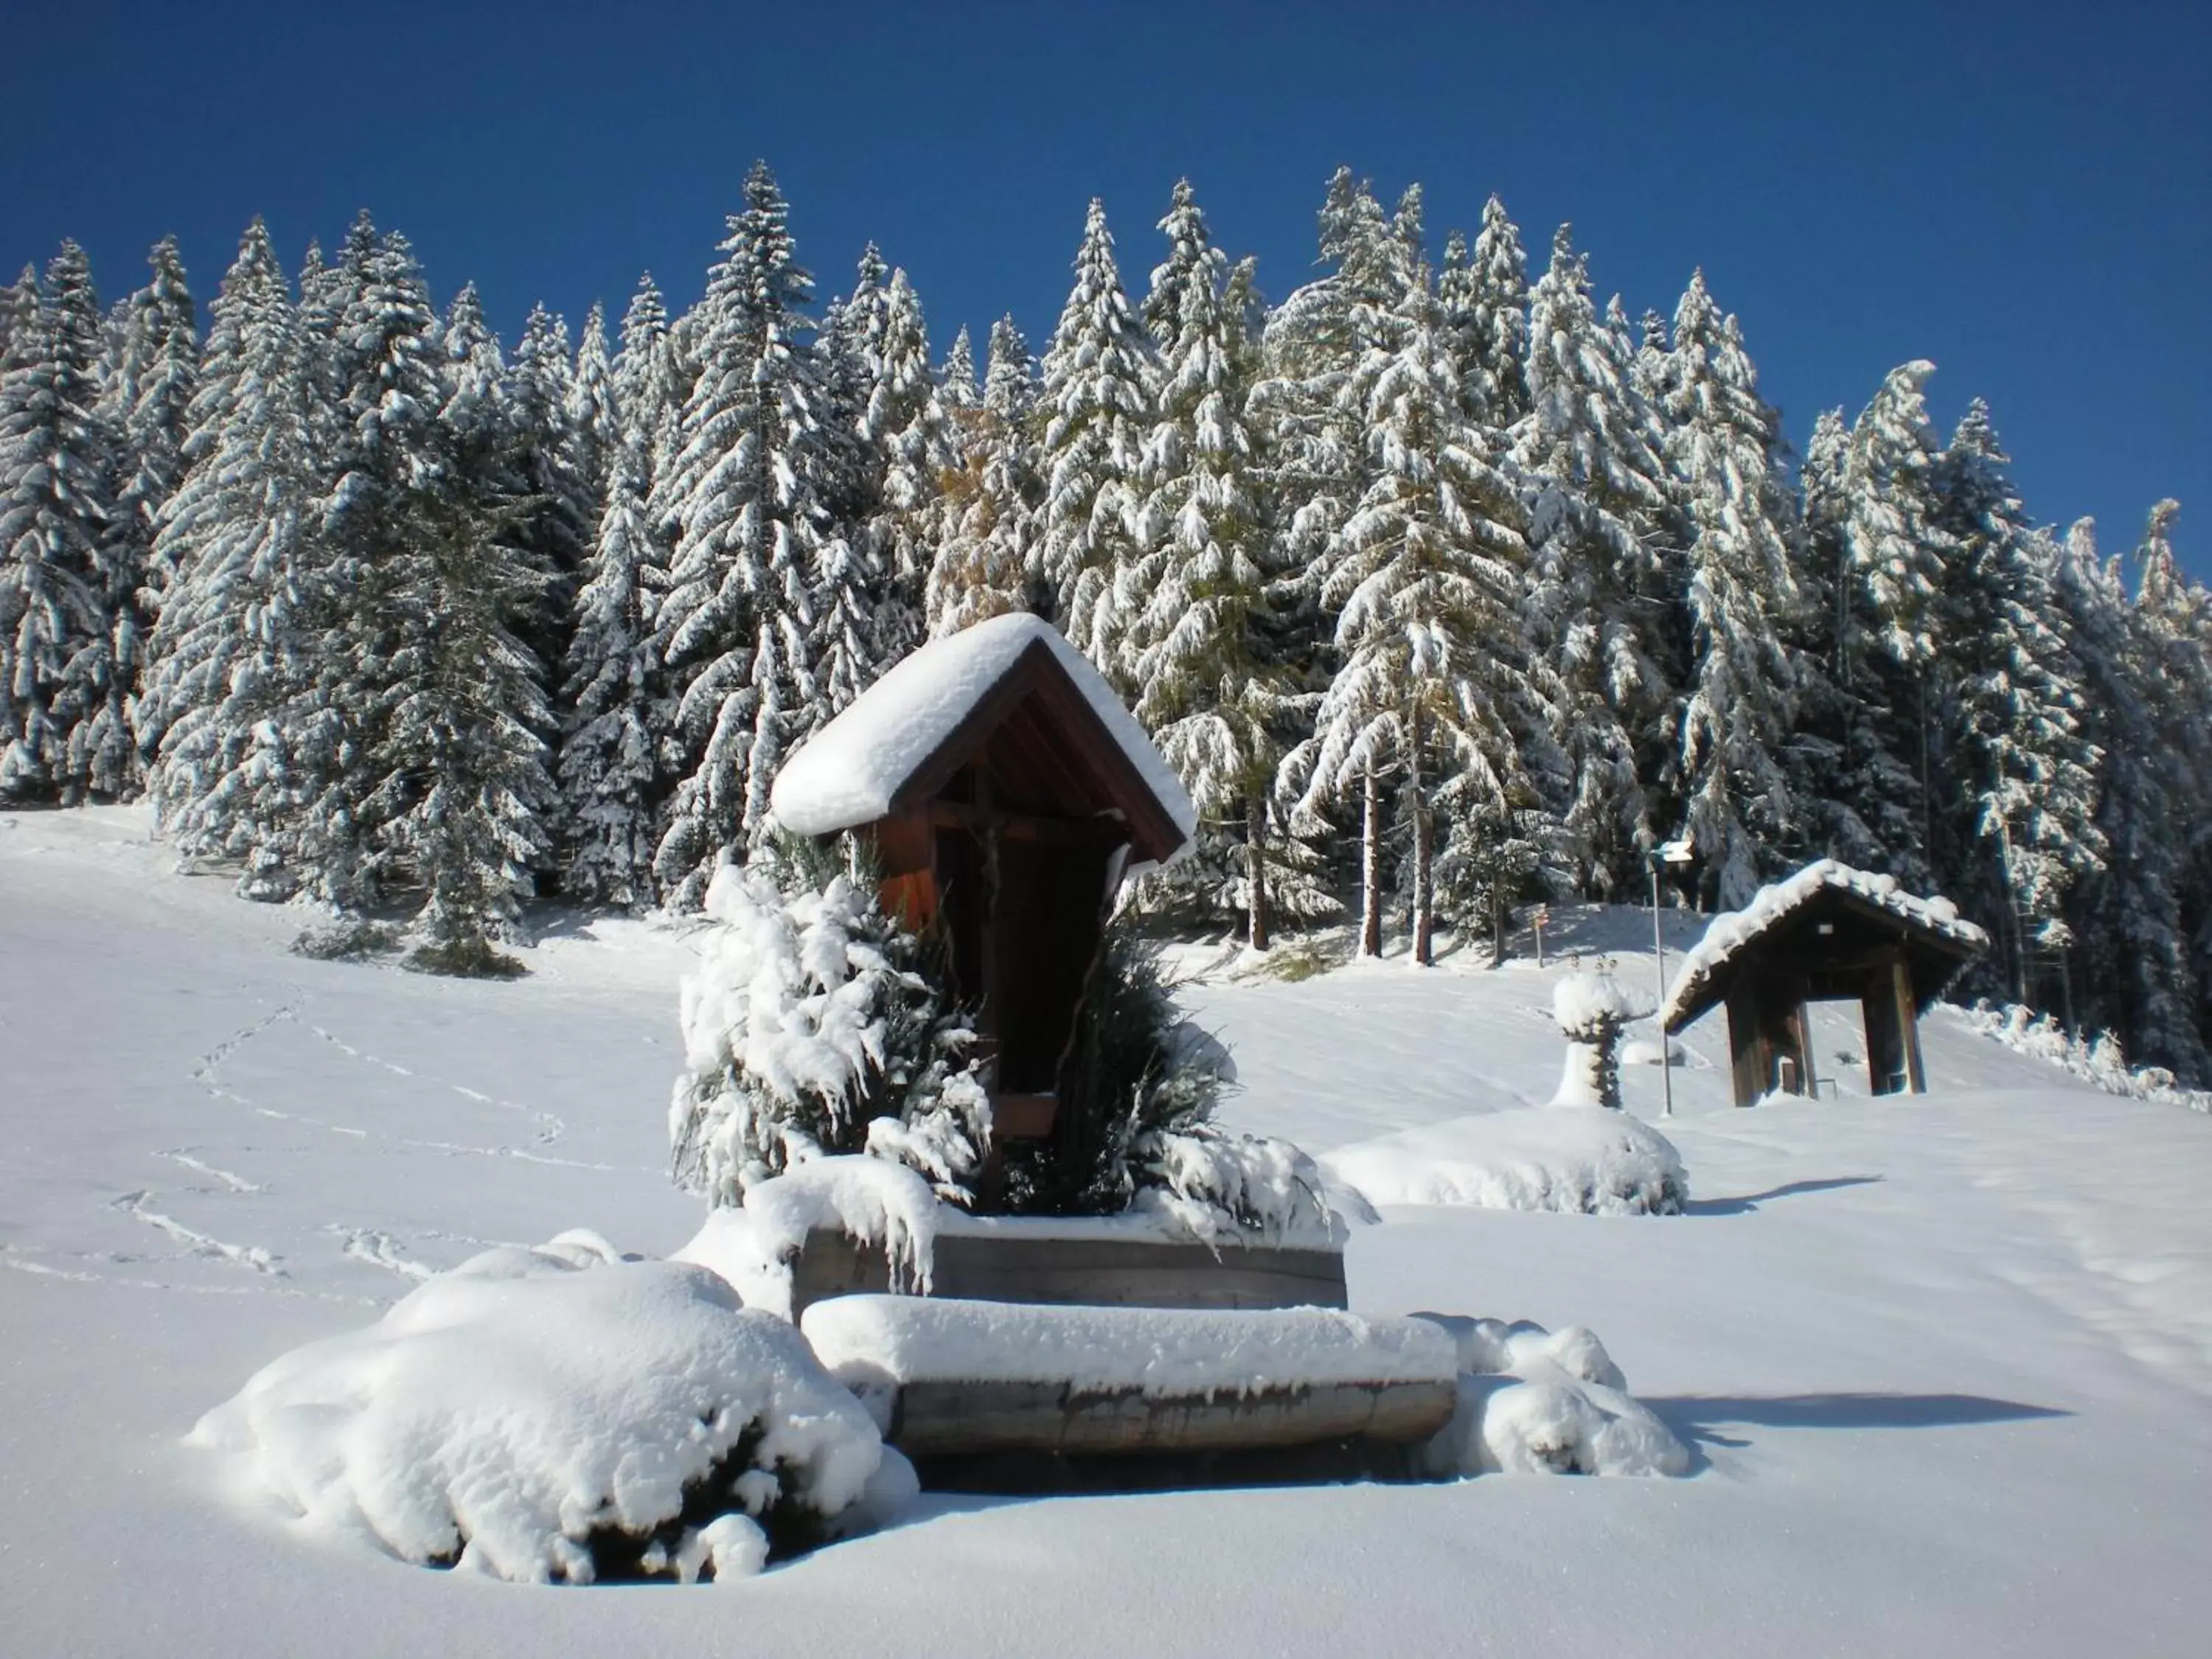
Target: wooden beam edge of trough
(941,1417)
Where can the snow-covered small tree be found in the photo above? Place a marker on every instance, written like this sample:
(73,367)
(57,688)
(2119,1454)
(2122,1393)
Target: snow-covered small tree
(1500,268)
(593,422)
(474,378)
(815,1026)
(904,429)
(1096,407)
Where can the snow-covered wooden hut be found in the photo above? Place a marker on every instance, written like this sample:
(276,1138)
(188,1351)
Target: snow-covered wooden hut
(1007,793)
(1829,933)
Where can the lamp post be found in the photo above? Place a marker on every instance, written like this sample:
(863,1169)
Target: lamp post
(1672,852)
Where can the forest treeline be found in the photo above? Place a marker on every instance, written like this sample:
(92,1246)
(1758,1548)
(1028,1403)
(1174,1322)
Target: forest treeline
(1441,587)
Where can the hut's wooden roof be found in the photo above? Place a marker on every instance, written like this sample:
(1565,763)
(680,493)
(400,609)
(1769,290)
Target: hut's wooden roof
(1784,922)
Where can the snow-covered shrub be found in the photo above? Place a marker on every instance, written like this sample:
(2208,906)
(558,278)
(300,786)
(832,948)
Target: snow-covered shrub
(2099,1059)
(816,1025)
(559,1415)
(1580,1160)
(463,959)
(1211,1184)
(1538,1402)
(345,941)
(1593,1010)
(1135,1086)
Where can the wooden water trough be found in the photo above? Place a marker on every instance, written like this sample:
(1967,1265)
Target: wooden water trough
(1827,934)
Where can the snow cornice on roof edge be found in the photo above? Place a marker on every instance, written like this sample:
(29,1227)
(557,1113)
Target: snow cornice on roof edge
(852,771)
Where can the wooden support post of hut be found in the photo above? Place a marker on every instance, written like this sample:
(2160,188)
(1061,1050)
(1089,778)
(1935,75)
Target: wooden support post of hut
(1829,933)
(1006,792)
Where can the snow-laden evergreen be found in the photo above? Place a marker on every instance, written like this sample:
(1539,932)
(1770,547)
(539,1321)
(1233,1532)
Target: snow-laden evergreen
(1499,270)
(987,562)
(1600,533)
(1097,405)
(2017,800)
(148,397)
(1424,580)
(736,627)
(1739,584)
(62,564)
(233,656)
(957,387)
(1197,647)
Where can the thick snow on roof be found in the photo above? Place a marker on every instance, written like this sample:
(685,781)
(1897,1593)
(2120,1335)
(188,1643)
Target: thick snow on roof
(1732,930)
(847,773)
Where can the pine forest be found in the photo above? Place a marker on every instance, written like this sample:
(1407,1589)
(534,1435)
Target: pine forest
(1444,584)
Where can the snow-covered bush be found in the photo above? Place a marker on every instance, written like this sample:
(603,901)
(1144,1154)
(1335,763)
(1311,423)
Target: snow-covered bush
(816,1025)
(2099,1059)
(1580,1160)
(349,939)
(1212,1185)
(1137,1099)
(562,1414)
(1593,1010)
(1538,1402)
(877,1203)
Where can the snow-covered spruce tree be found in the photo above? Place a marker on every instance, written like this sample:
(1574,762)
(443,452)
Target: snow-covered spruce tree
(957,387)
(1095,408)
(2015,807)
(1500,268)
(60,705)
(644,380)
(230,682)
(2135,977)
(551,517)
(1315,463)
(594,426)
(986,564)
(905,425)
(847,347)
(1208,690)
(473,376)
(609,697)
(735,626)
(1895,553)
(457,789)
(1424,579)
(1722,442)
(2174,616)
(815,1026)
(1602,542)
(148,398)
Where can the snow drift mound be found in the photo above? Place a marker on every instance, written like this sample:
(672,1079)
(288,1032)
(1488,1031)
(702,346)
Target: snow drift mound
(560,1413)
(1533,1402)
(1583,1159)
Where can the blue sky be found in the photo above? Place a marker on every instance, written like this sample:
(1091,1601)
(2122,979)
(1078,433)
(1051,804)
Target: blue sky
(2021,192)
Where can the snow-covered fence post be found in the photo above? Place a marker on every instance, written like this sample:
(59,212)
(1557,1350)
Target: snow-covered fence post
(1593,1010)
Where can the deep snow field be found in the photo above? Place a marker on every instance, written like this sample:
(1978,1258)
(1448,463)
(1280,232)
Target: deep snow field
(1945,1363)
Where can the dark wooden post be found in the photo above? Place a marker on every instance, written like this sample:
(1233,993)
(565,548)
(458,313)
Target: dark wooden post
(1747,1051)
(1908,1023)
(1885,1034)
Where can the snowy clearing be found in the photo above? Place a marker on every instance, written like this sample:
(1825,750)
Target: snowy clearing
(1941,1365)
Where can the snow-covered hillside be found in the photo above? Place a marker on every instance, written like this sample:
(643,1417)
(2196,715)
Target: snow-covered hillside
(1945,1363)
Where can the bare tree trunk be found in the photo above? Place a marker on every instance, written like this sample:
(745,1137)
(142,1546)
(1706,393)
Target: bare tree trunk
(1425,921)
(1370,867)
(1260,931)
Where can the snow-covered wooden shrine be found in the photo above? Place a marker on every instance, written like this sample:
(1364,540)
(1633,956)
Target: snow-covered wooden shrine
(1827,934)
(1006,793)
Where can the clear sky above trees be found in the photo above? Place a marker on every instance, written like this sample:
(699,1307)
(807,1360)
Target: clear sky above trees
(2023,194)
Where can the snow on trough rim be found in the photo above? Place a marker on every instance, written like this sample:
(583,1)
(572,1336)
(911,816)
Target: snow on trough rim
(847,773)
(1731,930)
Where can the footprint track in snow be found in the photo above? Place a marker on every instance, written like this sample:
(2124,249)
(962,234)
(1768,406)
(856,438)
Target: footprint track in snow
(137,1204)
(550,1126)
(236,1183)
